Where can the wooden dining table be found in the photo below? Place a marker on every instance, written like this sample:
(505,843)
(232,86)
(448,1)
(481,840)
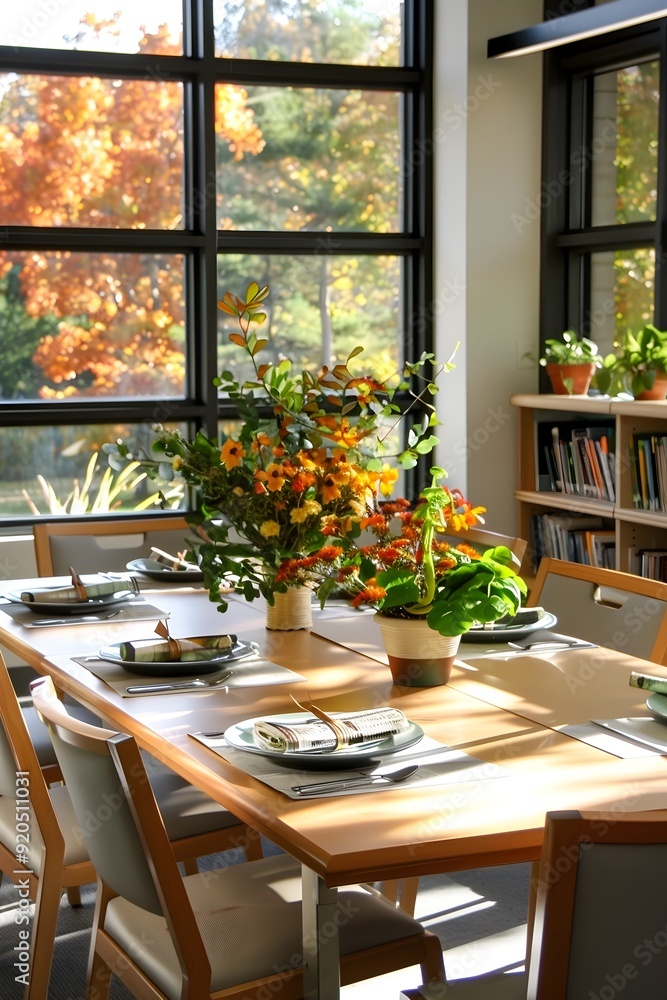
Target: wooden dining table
(505,708)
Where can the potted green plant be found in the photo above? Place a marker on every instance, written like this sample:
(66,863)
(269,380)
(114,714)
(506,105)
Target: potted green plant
(639,365)
(570,363)
(427,592)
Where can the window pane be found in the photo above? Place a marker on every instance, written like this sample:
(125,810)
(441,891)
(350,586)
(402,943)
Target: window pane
(86,151)
(90,325)
(362,32)
(61,470)
(319,309)
(312,160)
(624,148)
(622,295)
(99,25)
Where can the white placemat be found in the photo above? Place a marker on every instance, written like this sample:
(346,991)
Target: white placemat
(438,765)
(251,671)
(133,611)
(619,740)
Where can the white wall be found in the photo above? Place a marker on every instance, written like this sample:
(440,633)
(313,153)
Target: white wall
(487,136)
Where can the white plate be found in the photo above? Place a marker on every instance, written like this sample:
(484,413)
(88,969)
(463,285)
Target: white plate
(174,668)
(155,569)
(508,633)
(64,608)
(240,737)
(657,706)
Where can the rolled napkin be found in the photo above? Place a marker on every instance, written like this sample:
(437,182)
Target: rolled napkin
(648,682)
(171,562)
(196,648)
(93,591)
(313,735)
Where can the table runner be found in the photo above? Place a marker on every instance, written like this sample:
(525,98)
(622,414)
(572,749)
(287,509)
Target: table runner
(438,765)
(250,671)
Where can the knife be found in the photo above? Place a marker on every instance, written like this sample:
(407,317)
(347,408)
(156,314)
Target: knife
(74,619)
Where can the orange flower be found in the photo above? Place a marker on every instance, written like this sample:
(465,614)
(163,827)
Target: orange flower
(330,489)
(274,477)
(231,454)
(368,596)
(329,553)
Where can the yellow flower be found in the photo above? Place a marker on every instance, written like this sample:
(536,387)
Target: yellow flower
(298,515)
(274,477)
(231,454)
(388,477)
(269,529)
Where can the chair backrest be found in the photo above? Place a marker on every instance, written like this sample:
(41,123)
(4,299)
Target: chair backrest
(481,539)
(92,544)
(600,921)
(604,606)
(119,818)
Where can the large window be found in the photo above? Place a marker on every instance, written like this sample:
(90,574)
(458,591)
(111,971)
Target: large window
(154,156)
(605,208)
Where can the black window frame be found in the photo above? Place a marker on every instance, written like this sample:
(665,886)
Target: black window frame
(200,242)
(567,238)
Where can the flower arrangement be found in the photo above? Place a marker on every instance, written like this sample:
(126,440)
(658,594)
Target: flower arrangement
(407,572)
(306,461)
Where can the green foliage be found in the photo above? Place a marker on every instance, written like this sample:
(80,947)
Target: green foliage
(570,350)
(634,366)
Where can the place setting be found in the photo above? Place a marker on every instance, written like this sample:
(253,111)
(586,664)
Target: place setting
(85,600)
(167,568)
(631,736)
(190,664)
(312,753)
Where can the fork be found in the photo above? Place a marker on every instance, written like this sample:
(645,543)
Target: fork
(194,684)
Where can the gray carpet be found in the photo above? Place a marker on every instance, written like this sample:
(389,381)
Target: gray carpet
(463,909)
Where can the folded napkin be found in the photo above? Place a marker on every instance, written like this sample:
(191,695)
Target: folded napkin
(345,729)
(173,562)
(64,595)
(196,648)
(648,682)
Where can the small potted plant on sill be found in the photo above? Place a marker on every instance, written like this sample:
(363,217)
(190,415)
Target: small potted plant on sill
(570,363)
(639,366)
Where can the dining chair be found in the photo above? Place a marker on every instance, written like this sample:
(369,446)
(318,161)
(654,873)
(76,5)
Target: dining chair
(54,858)
(233,933)
(599,915)
(604,606)
(92,544)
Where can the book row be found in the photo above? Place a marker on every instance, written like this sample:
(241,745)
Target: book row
(578,460)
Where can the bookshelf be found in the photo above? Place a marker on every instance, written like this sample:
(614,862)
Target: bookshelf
(636,516)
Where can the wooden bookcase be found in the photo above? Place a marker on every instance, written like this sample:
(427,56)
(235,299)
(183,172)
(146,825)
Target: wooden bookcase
(635,529)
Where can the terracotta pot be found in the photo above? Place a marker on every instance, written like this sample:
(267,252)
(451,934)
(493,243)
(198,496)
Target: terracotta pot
(418,656)
(291,610)
(659,390)
(579,376)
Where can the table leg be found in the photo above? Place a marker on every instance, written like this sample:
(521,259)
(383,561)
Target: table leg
(321,967)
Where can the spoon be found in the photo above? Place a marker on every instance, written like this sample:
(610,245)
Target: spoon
(392,776)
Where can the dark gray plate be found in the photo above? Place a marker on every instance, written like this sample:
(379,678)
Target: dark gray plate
(174,668)
(154,569)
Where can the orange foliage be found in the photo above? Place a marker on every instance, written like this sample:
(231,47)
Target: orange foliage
(92,152)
